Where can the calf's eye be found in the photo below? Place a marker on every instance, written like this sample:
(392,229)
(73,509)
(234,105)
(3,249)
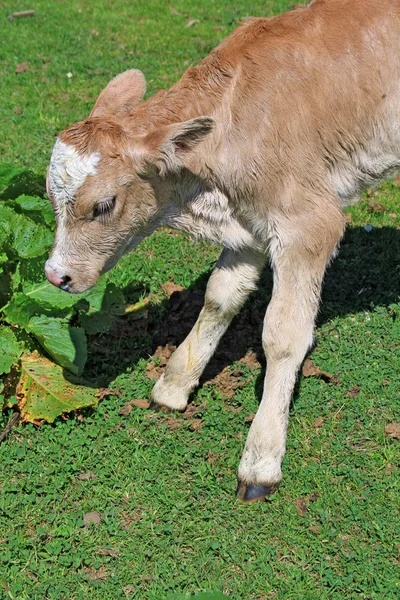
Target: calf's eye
(105,207)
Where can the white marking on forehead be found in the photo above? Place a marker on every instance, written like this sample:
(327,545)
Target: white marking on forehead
(68,171)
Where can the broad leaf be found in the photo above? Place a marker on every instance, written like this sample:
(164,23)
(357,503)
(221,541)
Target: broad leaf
(49,294)
(104,300)
(45,394)
(20,309)
(29,238)
(25,237)
(104,296)
(29,278)
(38,209)
(6,218)
(66,344)
(15,181)
(3,261)
(9,349)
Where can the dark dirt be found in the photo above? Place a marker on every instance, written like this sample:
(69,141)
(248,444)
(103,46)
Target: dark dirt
(353,392)
(393,430)
(311,370)
(245,331)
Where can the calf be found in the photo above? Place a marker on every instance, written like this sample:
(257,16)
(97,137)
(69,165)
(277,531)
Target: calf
(258,149)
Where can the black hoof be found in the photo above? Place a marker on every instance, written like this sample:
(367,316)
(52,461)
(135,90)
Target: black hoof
(159,408)
(249,492)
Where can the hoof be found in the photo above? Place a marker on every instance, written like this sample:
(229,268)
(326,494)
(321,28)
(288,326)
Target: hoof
(250,492)
(159,408)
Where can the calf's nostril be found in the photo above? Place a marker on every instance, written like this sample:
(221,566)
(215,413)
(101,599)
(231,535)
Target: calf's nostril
(53,277)
(64,285)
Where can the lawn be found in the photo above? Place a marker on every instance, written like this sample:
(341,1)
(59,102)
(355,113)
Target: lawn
(122,502)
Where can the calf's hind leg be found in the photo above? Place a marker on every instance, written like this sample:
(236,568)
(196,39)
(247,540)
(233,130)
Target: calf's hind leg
(299,258)
(233,278)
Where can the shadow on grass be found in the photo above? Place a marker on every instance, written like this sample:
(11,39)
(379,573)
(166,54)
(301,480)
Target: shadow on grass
(365,274)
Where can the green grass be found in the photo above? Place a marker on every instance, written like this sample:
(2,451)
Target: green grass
(169,523)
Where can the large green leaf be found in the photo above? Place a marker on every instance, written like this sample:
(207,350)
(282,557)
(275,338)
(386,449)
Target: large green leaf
(66,344)
(104,300)
(15,181)
(20,309)
(104,296)
(3,261)
(38,209)
(45,292)
(9,349)
(25,237)
(29,238)
(6,219)
(45,394)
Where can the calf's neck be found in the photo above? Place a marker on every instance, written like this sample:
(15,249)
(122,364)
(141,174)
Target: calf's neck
(258,148)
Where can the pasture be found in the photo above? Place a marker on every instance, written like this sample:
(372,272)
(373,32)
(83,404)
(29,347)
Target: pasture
(123,502)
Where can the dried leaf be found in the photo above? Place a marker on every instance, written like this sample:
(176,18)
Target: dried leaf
(103,392)
(197,424)
(393,430)
(140,403)
(126,409)
(169,288)
(353,392)
(301,507)
(375,207)
(192,409)
(311,370)
(44,394)
(91,517)
(22,67)
(87,476)
(319,421)
(192,22)
(108,552)
(249,418)
(172,422)
(153,372)
(96,574)
(212,457)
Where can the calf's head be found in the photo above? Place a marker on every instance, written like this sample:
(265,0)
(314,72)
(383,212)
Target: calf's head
(104,182)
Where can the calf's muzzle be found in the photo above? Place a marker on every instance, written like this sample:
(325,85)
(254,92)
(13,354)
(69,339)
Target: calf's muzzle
(61,282)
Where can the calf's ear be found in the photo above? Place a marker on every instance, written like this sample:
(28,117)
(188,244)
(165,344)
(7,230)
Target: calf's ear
(122,94)
(167,146)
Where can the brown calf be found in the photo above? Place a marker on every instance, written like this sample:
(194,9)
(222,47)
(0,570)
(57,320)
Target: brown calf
(258,148)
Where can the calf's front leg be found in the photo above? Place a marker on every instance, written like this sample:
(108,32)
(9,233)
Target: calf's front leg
(234,277)
(299,260)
